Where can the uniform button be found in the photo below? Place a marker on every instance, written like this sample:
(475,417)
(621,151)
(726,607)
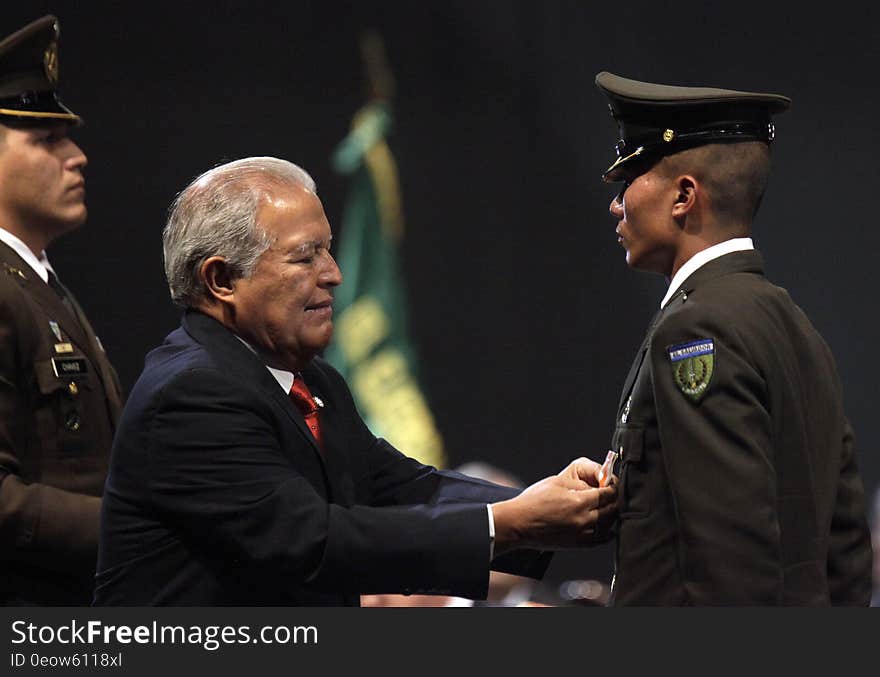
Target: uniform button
(71,421)
(72,388)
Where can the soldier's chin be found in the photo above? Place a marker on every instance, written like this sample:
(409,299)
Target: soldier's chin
(74,218)
(66,224)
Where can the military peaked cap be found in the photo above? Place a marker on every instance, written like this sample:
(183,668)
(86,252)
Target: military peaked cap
(29,75)
(656,120)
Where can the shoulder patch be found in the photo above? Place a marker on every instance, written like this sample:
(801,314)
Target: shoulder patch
(692,366)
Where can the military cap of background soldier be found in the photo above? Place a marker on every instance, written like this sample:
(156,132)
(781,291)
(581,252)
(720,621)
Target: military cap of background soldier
(29,76)
(656,120)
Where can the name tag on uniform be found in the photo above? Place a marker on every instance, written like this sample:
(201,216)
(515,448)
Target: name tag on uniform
(63,347)
(70,367)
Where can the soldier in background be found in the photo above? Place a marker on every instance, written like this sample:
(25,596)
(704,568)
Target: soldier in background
(59,395)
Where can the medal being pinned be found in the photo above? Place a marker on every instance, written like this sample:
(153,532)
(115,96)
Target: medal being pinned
(692,366)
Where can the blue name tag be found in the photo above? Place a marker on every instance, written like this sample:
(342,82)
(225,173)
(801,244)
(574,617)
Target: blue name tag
(682,351)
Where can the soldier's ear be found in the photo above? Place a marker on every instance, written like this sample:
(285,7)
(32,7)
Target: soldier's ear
(217,278)
(687,189)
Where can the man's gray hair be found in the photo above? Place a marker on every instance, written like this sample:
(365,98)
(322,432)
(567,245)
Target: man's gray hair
(215,215)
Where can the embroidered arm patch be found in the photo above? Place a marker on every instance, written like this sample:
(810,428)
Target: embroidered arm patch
(692,366)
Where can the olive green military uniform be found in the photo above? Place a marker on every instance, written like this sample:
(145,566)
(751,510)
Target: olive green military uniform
(738,476)
(738,482)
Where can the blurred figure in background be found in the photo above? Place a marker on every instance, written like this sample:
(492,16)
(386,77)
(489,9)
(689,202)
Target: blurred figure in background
(504,589)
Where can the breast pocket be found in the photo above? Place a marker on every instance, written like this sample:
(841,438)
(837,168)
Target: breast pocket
(47,406)
(635,498)
(58,407)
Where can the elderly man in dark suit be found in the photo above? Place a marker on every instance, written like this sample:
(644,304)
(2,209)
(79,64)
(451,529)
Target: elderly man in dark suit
(59,396)
(739,482)
(242,473)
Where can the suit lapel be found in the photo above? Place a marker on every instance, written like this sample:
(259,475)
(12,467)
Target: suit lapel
(238,358)
(332,424)
(289,408)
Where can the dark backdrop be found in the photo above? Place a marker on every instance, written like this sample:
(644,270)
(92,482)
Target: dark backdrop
(524,312)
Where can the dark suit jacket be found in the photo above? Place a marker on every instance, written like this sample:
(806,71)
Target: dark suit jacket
(748,494)
(55,437)
(218,494)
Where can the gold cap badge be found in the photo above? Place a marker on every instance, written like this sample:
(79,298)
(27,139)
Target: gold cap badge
(50,62)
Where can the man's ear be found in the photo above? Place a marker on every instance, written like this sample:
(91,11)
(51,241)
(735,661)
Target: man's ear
(217,277)
(687,189)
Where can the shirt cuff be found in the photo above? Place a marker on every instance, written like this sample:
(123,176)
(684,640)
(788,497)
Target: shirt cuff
(491,532)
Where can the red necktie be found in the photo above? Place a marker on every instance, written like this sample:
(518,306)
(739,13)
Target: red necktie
(304,401)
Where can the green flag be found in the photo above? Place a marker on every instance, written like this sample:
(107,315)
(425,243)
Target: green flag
(371,345)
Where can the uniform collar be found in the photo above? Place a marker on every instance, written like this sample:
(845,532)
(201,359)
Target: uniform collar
(40,264)
(701,258)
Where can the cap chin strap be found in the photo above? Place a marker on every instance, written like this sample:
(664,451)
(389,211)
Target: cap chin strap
(671,140)
(37,105)
(40,114)
(620,161)
(737,131)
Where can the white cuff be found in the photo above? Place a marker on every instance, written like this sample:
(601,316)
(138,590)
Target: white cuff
(491,532)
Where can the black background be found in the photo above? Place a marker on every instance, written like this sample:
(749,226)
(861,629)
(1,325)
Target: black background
(524,312)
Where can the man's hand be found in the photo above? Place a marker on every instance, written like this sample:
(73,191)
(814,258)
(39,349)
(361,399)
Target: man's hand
(568,510)
(588,471)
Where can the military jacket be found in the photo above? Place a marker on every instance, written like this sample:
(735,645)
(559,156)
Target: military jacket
(738,477)
(59,402)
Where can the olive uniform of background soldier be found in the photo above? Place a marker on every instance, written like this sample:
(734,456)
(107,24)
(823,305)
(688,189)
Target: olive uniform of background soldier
(738,481)
(59,396)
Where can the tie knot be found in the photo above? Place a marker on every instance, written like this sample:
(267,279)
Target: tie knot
(301,395)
